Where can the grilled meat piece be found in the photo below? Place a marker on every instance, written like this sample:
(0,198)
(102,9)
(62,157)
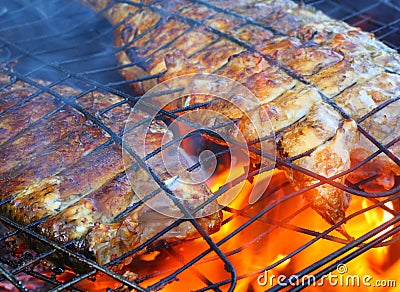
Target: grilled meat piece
(64,166)
(316,75)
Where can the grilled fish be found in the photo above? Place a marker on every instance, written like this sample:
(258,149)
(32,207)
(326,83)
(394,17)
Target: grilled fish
(318,77)
(58,165)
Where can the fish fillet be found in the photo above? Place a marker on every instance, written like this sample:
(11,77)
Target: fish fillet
(63,167)
(316,75)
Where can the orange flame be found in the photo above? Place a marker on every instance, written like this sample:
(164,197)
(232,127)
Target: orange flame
(267,241)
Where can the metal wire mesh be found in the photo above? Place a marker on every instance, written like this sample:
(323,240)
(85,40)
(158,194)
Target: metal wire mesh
(378,17)
(80,54)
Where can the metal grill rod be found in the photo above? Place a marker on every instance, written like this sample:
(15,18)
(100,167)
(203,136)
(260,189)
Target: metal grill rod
(25,267)
(317,235)
(254,150)
(32,23)
(323,180)
(76,280)
(187,213)
(356,253)
(349,245)
(115,138)
(9,276)
(288,71)
(30,97)
(66,251)
(287,226)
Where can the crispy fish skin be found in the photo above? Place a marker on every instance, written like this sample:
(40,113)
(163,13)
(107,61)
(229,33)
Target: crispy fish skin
(11,96)
(93,216)
(61,154)
(19,151)
(13,122)
(68,168)
(295,44)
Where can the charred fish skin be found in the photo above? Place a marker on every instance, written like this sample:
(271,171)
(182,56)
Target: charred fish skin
(296,49)
(66,168)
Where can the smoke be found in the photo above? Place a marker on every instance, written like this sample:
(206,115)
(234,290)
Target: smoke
(37,35)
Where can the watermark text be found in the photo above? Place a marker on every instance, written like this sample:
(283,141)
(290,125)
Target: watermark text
(341,279)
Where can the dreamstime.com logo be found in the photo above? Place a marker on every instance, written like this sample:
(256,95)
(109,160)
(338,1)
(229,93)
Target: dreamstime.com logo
(165,117)
(342,279)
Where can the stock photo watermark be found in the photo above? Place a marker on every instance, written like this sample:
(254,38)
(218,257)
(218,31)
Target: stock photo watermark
(227,100)
(342,278)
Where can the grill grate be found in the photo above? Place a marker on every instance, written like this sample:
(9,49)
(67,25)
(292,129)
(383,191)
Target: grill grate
(82,60)
(379,17)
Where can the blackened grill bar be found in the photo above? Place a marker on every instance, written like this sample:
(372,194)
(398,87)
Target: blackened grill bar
(14,51)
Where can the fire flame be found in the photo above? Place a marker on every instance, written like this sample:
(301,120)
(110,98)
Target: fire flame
(269,240)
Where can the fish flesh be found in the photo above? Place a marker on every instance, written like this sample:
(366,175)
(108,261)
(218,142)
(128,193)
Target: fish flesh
(317,77)
(59,166)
